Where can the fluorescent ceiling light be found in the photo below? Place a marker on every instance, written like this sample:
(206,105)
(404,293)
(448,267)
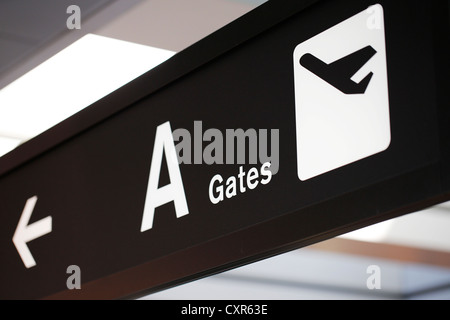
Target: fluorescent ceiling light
(73,79)
(374,233)
(426,229)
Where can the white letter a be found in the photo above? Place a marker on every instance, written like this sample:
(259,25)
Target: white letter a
(173,191)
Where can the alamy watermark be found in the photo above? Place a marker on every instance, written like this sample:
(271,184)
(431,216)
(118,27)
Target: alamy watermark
(74,20)
(374,280)
(74,280)
(375,19)
(234,146)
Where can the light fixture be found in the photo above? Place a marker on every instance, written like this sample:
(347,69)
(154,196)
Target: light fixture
(71,80)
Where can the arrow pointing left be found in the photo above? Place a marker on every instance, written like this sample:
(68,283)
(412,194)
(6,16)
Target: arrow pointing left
(25,233)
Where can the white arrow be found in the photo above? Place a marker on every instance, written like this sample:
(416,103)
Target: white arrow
(26,233)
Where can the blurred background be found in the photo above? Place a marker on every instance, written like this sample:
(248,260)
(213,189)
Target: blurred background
(44,58)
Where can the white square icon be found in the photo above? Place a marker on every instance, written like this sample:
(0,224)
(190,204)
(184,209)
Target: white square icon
(341,94)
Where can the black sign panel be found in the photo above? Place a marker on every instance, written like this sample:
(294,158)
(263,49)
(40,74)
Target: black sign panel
(82,194)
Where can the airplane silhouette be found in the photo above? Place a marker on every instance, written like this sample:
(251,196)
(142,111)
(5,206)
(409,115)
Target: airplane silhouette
(338,73)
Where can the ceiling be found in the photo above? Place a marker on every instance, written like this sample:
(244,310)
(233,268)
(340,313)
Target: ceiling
(26,27)
(32,32)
